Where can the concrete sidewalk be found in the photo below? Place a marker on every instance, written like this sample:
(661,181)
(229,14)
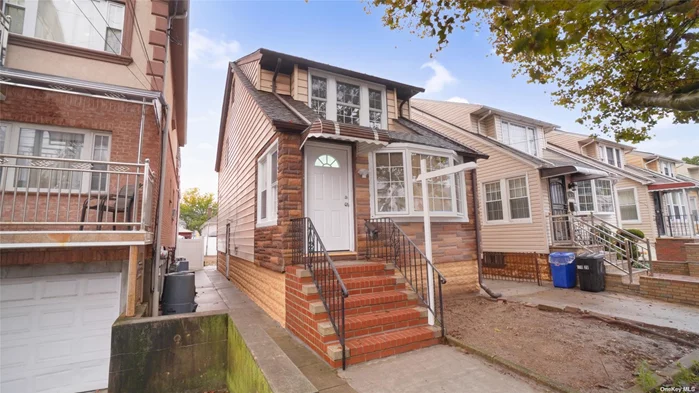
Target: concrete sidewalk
(435,369)
(654,312)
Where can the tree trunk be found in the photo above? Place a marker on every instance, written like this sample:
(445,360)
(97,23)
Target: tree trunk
(683,102)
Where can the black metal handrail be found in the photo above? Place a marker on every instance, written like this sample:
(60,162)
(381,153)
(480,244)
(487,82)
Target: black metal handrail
(385,239)
(675,225)
(308,250)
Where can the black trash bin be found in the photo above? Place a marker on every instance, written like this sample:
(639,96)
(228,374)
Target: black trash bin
(591,271)
(178,293)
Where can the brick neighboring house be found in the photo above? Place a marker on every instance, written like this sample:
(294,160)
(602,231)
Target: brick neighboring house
(280,161)
(91,124)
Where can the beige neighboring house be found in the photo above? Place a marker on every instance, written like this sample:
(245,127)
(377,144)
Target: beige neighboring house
(525,182)
(690,172)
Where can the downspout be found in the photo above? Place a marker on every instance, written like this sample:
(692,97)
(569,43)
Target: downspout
(283,101)
(476,221)
(645,163)
(586,145)
(480,119)
(165,141)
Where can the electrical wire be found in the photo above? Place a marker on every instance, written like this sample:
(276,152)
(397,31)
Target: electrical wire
(105,41)
(138,31)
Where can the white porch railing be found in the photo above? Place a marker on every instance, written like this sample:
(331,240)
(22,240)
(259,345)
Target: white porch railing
(59,194)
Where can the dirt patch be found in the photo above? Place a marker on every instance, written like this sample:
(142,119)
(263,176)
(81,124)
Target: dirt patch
(584,353)
(210,260)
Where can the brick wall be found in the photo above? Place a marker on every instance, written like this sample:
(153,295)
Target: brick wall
(671,267)
(671,249)
(673,289)
(620,283)
(264,286)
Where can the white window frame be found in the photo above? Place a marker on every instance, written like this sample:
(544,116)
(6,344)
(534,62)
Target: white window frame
(664,164)
(670,203)
(505,195)
(593,185)
(331,96)
(618,155)
(534,137)
(272,200)
(410,214)
(12,147)
(635,199)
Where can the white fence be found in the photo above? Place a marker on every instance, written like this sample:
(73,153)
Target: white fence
(192,250)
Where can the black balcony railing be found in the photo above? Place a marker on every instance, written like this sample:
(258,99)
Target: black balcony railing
(387,241)
(308,250)
(675,225)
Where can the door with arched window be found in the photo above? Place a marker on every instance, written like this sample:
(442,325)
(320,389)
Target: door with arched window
(329,199)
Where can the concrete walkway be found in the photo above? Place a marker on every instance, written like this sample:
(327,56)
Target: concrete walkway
(654,312)
(437,369)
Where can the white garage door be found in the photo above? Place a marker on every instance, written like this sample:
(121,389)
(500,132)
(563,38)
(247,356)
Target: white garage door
(55,332)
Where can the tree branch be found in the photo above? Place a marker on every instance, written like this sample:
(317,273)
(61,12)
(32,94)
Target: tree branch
(683,102)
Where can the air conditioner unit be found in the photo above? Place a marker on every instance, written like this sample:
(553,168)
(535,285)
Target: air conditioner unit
(4,34)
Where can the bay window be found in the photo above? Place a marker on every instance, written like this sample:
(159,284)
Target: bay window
(89,24)
(628,207)
(595,196)
(267,187)
(397,191)
(520,137)
(347,100)
(54,142)
(507,200)
(610,155)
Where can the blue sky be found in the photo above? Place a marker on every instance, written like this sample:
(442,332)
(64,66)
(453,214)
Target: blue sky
(343,34)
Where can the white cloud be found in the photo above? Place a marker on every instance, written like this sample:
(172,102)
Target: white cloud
(205,146)
(458,99)
(441,78)
(212,52)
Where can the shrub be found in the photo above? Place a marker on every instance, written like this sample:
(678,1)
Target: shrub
(637,232)
(645,378)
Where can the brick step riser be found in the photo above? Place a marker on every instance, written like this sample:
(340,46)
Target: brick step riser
(374,289)
(379,273)
(367,331)
(359,310)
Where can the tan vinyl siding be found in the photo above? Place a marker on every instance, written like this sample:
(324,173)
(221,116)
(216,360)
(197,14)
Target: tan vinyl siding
(283,82)
(490,127)
(634,159)
(452,112)
(405,110)
(247,132)
(591,150)
(391,109)
(653,166)
(299,86)
(645,208)
(252,71)
(508,237)
(565,140)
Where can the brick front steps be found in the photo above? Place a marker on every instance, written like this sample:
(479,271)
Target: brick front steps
(382,315)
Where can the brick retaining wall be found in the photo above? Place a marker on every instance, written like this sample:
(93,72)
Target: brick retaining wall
(672,249)
(670,288)
(671,267)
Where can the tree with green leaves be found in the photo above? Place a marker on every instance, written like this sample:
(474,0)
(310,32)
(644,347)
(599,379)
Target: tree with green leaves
(624,64)
(196,208)
(691,160)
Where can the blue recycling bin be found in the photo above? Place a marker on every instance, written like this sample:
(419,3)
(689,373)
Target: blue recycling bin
(563,269)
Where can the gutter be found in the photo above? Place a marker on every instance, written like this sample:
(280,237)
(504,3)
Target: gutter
(480,119)
(645,163)
(283,101)
(479,251)
(585,145)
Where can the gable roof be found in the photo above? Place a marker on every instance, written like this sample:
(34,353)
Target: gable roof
(585,139)
(268,60)
(428,136)
(626,171)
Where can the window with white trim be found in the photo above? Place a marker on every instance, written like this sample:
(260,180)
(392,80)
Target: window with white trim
(267,187)
(610,155)
(347,100)
(89,24)
(667,168)
(628,208)
(595,196)
(54,142)
(515,191)
(397,191)
(674,203)
(520,137)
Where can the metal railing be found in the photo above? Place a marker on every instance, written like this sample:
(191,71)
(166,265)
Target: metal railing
(675,225)
(386,240)
(45,193)
(622,249)
(308,250)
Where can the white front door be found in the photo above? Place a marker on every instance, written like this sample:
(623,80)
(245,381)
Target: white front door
(55,332)
(328,194)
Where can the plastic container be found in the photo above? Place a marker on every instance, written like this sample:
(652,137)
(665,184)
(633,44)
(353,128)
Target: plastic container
(563,269)
(183,265)
(178,293)
(591,271)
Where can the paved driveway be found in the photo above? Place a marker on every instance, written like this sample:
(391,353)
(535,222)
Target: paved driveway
(437,369)
(654,312)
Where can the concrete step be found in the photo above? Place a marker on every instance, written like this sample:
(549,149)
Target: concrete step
(374,346)
(372,323)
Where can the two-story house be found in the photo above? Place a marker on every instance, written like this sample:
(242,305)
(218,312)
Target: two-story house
(93,113)
(318,177)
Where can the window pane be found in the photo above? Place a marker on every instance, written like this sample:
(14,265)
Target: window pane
(610,156)
(319,107)
(326,160)
(263,205)
(17,15)
(618,157)
(347,93)
(64,21)
(390,182)
(113,43)
(274,167)
(347,114)
(3,136)
(627,205)
(375,119)
(375,99)
(603,191)
(319,87)
(51,144)
(493,204)
(459,191)
(519,201)
(532,141)
(585,198)
(100,152)
(439,188)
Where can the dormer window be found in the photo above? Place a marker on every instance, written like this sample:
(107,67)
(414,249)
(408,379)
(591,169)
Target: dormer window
(667,168)
(520,137)
(346,100)
(611,156)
